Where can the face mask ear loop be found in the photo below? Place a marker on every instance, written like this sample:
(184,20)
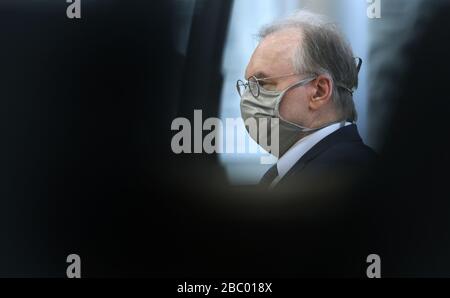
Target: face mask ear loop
(280,97)
(303,129)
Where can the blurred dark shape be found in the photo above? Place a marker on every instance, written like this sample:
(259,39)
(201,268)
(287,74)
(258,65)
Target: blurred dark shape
(388,36)
(411,207)
(86,112)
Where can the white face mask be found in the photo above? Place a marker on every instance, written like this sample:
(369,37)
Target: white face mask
(270,125)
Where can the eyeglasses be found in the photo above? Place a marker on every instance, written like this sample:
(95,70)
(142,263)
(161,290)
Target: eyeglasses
(254,86)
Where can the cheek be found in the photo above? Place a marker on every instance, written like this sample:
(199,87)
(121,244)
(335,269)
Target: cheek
(292,106)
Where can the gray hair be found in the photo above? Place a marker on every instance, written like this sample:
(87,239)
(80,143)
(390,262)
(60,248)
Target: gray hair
(324,50)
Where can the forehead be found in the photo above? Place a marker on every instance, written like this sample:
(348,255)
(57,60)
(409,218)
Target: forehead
(273,56)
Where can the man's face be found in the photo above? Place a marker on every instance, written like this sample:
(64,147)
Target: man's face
(273,58)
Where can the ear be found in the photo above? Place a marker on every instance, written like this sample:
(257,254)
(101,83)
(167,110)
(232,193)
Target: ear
(322,88)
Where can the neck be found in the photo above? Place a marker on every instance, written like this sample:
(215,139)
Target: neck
(324,119)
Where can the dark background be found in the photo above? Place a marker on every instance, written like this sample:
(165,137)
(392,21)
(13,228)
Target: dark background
(87,168)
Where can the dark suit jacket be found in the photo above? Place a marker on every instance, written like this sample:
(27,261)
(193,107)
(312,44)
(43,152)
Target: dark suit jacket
(337,161)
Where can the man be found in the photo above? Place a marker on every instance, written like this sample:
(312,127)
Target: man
(301,79)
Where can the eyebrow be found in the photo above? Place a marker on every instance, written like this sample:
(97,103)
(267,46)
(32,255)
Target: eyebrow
(259,75)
